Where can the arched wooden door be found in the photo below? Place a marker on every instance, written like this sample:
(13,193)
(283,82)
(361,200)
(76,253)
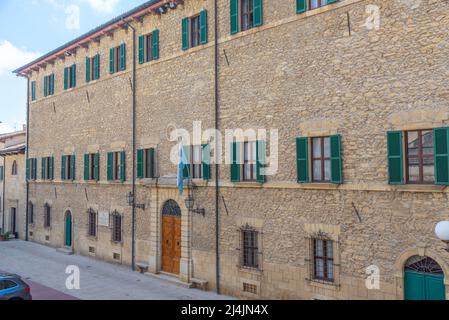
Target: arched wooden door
(423,280)
(171,237)
(68,229)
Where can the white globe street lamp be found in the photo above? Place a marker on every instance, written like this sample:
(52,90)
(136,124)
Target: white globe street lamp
(442,232)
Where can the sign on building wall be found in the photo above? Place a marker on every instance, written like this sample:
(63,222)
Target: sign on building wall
(103,218)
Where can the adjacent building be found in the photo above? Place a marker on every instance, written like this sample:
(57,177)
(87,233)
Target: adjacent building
(357,92)
(13,184)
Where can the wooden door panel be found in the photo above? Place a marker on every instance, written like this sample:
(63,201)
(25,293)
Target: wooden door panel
(171,244)
(177,245)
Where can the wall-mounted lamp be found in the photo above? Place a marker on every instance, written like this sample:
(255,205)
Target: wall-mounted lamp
(442,232)
(131,202)
(190,203)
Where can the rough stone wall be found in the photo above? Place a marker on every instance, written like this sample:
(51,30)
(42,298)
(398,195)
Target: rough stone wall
(301,74)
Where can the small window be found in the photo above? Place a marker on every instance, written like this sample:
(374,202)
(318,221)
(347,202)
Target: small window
(92,216)
(195,31)
(145,163)
(2,173)
(47,216)
(196,160)
(249,161)
(116,166)
(116,227)
(47,168)
(247,17)
(68,167)
(14,168)
(91,166)
(420,157)
(93,68)
(30,213)
(31,170)
(321,159)
(323,260)
(250,248)
(33,90)
(148,47)
(70,77)
(7,284)
(49,85)
(314,4)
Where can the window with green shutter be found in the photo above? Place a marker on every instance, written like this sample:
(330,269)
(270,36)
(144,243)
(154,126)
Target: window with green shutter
(395,157)
(185,33)
(112,61)
(93,68)
(44,169)
(145,163)
(261,161)
(194,30)
(122,57)
(336,162)
(63,168)
(33,90)
(110,173)
(47,168)
(234,5)
(155,43)
(28,169)
(206,161)
(235,162)
(141,49)
(149,47)
(140,163)
(117,59)
(87,171)
(68,168)
(123,166)
(66,78)
(34,163)
(187,162)
(203,27)
(91,166)
(304,5)
(302,159)
(88,69)
(441,153)
(70,77)
(117,166)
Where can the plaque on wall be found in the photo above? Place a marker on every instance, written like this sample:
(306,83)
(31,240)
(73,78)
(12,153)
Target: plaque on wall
(103,218)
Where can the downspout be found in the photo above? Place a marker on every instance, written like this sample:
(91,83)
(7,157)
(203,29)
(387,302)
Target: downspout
(217,168)
(26,159)
(134,121)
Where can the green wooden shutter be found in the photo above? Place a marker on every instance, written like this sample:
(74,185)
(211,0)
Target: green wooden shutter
(110,166)
(141,49)
(234,16)
(86,167)
(140,160)
(74,76)
(155,44)
(66,78)
(261,152)
(51,168)
(331,1)
(186,171)
(35,168)
(203,27)
(301,6)
(28,174)
(52,84)
(185,33)
(33,90)
(45,86)
(206,161)
(111,61)
(97,167)
(258,12)
(73,167)
(302,159)
(441,154)
(123,166)
(122,57)
(395,157)
(88,69)
(97,66)
(43,176)
(150,162)
(63,167)
(336,162)
(235,165)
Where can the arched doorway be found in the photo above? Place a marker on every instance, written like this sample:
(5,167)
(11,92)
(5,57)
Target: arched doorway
(68,229)
(171,237)
(423,279)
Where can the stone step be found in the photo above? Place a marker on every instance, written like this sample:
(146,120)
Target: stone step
(170,278)
(65,250)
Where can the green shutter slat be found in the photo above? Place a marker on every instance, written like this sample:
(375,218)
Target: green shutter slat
(441,155)
(260,161)
(395,157)
(234,16)
(150,162)
(110,166)
(86,167)
(35,168)
(235,165)
(97,167)
(203,27)
(33,90)
(43,169)
(73,167)
(141,49)
(336,162)
(63,167)
(28,169)
(301,6)
(122,57)
(111,61)
(52,84)
(74,76)
(123,166)
(87,69)
(206,161)
(140,171)
(257,12)
(66,78)
(186,171)
(51,168)
(97,67)
(155,44)
(302,159)
(185,33)
(45,86)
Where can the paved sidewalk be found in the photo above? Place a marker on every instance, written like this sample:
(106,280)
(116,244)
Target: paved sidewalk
(99,280)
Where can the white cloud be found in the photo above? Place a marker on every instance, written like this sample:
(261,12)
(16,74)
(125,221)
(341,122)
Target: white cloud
(12,57)
(72,21)
(7,128)
(103,6)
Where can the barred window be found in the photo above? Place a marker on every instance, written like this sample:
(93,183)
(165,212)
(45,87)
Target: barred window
(92,229)
(323,260)
(116,227)
(47,216)
(30,213)
(250,248)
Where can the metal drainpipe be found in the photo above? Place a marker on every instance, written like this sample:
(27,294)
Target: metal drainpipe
(134,121)
(26,159)
(217,169)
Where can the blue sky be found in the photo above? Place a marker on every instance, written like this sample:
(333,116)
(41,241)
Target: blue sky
(30,28)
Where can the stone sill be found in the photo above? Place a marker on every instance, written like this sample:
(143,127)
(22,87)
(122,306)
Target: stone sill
(323,285)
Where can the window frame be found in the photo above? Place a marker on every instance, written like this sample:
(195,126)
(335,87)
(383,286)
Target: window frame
(250,248)
(30,213)
(196,169)
(92,166)
(420,157)
(320,4)
(116,226)
(47,216)
(69,175)
(92,217)
(322,160)
(246,11)
(326,260)
(148,47)
(14,168)
(194,34)
(252,163)
(71,73)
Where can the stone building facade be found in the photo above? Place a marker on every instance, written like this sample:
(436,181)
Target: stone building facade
(13,184)
(356,73)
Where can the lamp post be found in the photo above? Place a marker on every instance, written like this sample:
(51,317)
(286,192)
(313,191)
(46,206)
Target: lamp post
(442,232)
